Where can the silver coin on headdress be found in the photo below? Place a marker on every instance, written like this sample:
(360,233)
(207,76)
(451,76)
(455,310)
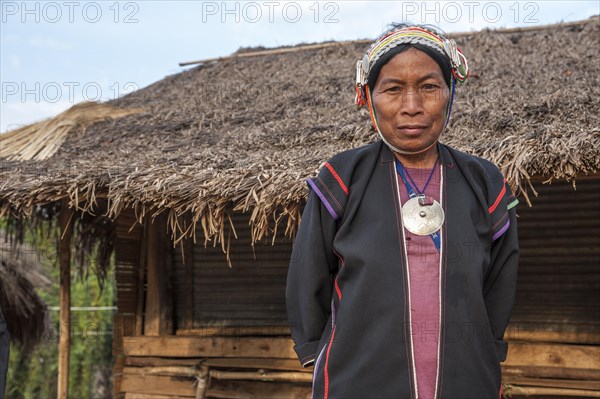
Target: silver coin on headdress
(420,219)
(365,64)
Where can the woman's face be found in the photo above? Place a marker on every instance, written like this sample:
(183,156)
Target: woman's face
(410,99)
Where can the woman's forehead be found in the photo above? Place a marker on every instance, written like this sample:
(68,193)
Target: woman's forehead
(412,63)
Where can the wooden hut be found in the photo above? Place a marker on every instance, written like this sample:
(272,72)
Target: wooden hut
(197,182)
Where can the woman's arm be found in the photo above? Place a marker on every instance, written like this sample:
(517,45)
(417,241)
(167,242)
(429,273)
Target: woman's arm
(309,280)
(501,283)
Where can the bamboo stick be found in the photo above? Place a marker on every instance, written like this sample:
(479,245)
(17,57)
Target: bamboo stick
(257,363)
(539,391)
(202,382)
(183,371)
(261,376)
(64,343)
(131,395)
(235,331)
(592,385)
(268,52)
(512,372)
(219,362)
(134,361)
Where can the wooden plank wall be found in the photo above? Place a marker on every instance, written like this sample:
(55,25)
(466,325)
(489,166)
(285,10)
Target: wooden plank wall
(153,364)
(559,264)
(158,312)
(266,367)
(128,242)
(555,324)
(251,292)
(213,367)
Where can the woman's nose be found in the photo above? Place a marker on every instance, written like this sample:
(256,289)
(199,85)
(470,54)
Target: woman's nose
(412,103)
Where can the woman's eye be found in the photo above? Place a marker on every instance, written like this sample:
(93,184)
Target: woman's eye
(430,86)
(394,88)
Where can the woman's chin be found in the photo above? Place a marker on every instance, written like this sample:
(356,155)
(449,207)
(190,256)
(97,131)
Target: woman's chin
(410,148)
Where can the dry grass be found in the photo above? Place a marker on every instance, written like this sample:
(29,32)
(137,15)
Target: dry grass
(41,140)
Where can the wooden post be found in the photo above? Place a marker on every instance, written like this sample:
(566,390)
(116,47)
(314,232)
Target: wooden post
(141,279)
(159,309)
(188,312)
(64,342)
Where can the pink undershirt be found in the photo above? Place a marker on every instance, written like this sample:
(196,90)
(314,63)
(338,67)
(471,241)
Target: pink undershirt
(423,266)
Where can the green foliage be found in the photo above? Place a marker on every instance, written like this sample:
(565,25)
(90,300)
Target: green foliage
(33,372)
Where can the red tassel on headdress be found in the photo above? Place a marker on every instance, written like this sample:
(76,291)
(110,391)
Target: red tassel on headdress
(360,99)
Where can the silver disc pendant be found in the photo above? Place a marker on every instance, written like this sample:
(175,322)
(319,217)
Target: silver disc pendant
(422,217)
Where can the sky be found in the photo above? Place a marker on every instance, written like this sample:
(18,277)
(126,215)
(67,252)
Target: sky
(54,54)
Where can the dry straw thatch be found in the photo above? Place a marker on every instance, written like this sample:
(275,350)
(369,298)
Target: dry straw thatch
(41,140)
(246,132)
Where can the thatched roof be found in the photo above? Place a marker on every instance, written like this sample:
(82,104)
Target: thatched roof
(248,131)
(25,311)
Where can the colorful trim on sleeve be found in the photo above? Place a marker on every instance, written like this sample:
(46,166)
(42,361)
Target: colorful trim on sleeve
(332,191)
(492,208)
(337,177)
(501,231)
(323,199)
(503,202)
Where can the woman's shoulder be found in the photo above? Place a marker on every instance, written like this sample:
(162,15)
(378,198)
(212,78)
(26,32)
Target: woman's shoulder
(475,163)
(485,177)
(355,155)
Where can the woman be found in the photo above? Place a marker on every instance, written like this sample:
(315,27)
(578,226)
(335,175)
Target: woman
(403,273)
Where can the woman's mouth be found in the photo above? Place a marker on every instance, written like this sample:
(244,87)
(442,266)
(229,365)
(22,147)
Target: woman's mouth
(411,130)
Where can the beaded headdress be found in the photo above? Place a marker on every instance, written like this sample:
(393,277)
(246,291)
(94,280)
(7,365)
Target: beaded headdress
(408,34)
